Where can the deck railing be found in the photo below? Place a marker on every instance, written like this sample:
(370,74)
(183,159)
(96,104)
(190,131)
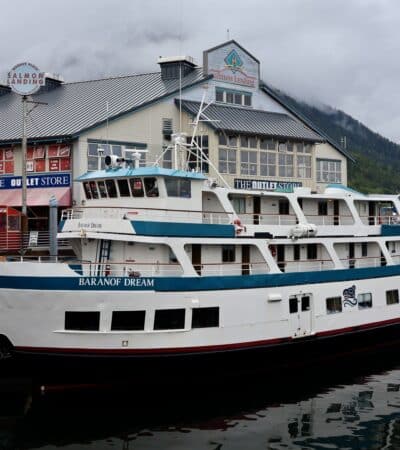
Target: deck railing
(380,220)
(34,240)
(330,220)
(365,261)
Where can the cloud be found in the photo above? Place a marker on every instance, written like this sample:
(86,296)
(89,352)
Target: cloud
(343,53)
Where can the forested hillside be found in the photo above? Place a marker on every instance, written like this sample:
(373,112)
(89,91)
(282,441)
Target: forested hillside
(377,166)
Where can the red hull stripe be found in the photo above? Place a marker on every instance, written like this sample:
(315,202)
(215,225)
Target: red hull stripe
(206,348)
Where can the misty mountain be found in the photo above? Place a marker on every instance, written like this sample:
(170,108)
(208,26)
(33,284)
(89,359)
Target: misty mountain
(377,165)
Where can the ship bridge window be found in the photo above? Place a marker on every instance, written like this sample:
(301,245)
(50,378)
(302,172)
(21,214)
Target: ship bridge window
(111,188)
(102,189)
(178,187)
(123,188)
(82,320)
(150,185)
(136,187)
(93,190)
(169,319)
(86,188)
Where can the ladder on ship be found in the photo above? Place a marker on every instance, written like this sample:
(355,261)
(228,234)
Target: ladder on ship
(104,256)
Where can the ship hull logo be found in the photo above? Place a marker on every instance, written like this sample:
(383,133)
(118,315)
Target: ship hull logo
(349,296)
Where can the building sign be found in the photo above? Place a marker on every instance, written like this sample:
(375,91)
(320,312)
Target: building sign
(232,64)
(37,181)
(266,185)
(25,79)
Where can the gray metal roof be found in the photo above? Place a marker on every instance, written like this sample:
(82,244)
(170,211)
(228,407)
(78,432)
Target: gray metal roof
(74,107)
(251,121)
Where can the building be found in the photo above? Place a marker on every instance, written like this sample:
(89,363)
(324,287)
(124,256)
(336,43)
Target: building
(248,133)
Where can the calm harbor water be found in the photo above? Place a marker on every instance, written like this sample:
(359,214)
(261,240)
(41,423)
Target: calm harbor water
(336,406)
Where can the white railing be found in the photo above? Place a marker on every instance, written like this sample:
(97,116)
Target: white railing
(306,265)
(330,220)
(30,240)
(239,268)
(267,219)
(366,261)
(380,220)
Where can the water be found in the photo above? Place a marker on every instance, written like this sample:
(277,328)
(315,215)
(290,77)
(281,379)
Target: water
(337,406)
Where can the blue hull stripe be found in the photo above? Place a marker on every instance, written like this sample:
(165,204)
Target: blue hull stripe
(390,230)
(177,229)
(172,284)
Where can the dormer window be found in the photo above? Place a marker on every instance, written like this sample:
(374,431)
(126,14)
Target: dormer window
(233,97)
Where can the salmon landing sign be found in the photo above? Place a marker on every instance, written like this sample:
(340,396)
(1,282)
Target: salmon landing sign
(26,79)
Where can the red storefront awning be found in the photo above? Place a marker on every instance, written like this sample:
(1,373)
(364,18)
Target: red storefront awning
(36,196)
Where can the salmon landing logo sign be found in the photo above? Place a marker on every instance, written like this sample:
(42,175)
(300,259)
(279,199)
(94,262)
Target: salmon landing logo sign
(25,79)
(233,70)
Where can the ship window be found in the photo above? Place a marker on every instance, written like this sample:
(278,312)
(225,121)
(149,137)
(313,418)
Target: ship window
(111,188)
(128,320)
(205,317)
(296,252)
(150,185)
(392,297)
(364,300)
(305,303)
(86,188)
(102,189)
(283,207)
(169,319)
(312,251)
(322,208)
(228,253)
(364,249)
(178,187)
(136,187)
(333,305)
(293,306)
(82,320)
(93,189)
(123,188)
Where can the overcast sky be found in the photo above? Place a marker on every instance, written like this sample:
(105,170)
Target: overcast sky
(344,53)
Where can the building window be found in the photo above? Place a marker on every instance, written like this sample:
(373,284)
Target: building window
(285,165)
(169,319)
(205,317)
(267,144)
(82,320)
(392,297)
(304,166)
(167,158)
(329,171)
(6,161)
(248,162)
(227,160)
(97,151)
(128,320)
(228,253)
(267,164)
(333,305)
(198,153)
(364,300)
(233,97)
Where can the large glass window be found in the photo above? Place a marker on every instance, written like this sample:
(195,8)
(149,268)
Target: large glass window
(6,160)
(197,154)
(98,151)
(233,97)
(205,317)
(285,165)
(329,171)
(267,164)
(248,162)
(304,166)
(227,160)
(169,319)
